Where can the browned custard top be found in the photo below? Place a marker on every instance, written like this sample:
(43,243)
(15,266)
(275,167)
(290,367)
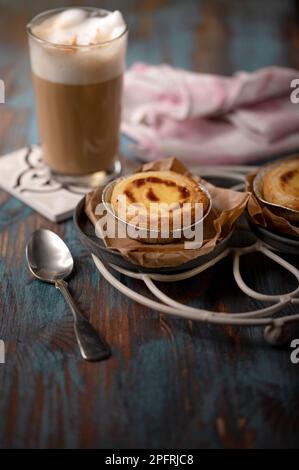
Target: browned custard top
(281,184)
(160,188)
(291,177)
(151,188)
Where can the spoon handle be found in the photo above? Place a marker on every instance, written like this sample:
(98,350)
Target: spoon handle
(92,346)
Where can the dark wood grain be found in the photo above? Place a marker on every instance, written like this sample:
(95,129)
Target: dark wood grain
(170,383)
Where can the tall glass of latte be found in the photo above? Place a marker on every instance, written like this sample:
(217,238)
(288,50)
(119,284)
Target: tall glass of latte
(78,60)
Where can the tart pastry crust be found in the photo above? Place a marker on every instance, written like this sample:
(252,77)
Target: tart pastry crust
(281,184)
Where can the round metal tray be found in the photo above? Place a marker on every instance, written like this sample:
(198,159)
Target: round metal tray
(97,247)
(280,242)
(241,241)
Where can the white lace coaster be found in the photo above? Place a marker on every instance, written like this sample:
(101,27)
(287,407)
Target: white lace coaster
(24,175)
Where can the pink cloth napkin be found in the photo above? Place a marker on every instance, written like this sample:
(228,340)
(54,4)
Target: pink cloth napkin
(210,119)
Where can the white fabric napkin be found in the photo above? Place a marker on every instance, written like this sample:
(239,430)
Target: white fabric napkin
(210,119)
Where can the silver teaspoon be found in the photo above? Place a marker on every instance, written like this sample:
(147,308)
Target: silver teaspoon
(50,260)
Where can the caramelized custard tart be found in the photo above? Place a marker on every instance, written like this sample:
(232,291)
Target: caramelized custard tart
(281,184)
(158,193)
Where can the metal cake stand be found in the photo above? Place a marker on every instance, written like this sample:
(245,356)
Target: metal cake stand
(270,318)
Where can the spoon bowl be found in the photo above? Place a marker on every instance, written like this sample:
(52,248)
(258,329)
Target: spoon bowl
(48,257)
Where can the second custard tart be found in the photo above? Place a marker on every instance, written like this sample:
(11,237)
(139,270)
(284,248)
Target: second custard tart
(281,184)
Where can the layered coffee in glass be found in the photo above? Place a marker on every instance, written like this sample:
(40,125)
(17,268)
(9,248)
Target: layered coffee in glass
(78,61)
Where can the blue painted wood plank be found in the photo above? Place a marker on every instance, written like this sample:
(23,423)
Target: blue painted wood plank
(223,387)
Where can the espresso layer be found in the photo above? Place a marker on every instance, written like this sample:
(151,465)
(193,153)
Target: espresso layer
(79,125)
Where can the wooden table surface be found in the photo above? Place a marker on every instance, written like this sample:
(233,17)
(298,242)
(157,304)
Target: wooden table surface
(170,383)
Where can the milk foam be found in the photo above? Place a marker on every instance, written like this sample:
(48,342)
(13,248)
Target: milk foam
(78,46)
